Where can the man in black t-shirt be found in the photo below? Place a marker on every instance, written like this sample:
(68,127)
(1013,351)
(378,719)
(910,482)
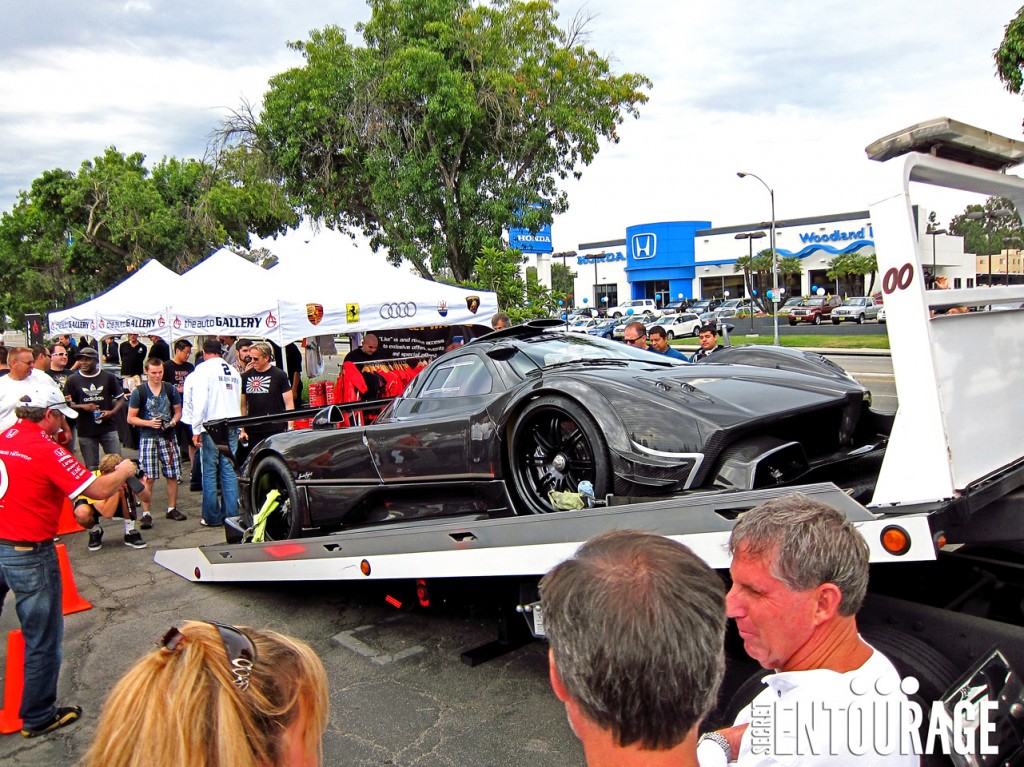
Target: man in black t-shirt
(265,391)
(176,370)
(158,349)
(133,356)
(97,396)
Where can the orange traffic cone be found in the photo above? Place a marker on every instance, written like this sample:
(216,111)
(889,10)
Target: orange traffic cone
(14,683)
(67,524)
(72,601)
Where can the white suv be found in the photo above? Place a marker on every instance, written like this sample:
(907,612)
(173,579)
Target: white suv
(639,306)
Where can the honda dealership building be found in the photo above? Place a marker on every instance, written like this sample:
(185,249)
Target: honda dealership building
(670,260)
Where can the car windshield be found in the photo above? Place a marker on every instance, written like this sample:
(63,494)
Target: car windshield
(855,302)
(813,302)
(551,349)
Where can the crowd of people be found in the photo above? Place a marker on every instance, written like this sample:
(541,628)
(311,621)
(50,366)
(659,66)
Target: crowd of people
(635,621)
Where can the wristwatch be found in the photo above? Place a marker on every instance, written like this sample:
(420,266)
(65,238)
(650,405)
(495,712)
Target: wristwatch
(719,739)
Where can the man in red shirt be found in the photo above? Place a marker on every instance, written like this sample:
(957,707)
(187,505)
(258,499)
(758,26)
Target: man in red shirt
(36,475)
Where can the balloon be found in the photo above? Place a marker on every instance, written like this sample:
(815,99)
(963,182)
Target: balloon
(819,292)
(585,299)
(565,316)
(725,293)
(755,291)
(679,296)
(629,312)
(814,288)
(771,295)
(604,299)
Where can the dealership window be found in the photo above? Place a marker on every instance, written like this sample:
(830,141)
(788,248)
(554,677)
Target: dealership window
(970,282)
(611,292)
(956,283)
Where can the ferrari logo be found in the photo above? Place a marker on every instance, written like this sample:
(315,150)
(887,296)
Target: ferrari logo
(351,313)
(315,313)
(473,303)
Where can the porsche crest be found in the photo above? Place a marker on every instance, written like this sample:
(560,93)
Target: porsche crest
(315,313)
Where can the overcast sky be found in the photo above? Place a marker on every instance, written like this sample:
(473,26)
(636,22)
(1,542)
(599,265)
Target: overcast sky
(791,90)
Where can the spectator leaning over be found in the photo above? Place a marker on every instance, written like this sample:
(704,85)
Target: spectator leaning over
(799,575)
(155,408)
(22,379)
(636,624)
(216,392)
(659,344)
(125,503)
(97,395)
(133,357)
(265,391)
(39,475)
(635,334)
(500,321)
(708,339)
(215,695)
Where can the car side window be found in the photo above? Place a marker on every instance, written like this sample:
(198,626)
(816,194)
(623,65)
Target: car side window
(463,377)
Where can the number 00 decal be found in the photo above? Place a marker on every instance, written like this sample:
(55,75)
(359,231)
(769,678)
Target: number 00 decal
(898,279)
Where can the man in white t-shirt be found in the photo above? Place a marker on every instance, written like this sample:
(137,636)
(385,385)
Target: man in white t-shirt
(800,574)
(23,380)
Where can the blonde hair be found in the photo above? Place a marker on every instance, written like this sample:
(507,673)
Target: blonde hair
(185,704)
(109,462)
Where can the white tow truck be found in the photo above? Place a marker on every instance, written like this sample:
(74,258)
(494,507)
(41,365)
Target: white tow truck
(945,525)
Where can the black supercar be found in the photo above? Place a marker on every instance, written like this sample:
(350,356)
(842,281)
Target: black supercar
(496,425)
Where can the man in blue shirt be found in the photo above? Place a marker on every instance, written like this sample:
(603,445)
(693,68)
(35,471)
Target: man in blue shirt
(659,344)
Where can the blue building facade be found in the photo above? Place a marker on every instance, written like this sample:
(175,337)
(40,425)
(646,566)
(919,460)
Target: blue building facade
(661,259)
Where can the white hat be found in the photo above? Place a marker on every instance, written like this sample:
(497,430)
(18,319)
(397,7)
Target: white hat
(49,399)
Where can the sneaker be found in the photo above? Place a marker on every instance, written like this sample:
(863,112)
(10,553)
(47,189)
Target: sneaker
(204,523)
(134,539)
(176,515)
(147,522)
(96,539)
(64,716)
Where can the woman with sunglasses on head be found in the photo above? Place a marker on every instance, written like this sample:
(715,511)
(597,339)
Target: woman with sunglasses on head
(216,696)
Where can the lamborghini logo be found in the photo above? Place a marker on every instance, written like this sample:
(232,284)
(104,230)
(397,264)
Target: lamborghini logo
(473,303)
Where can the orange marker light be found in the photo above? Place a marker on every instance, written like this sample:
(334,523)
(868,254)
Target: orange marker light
(393,602)
(364,567)
(895,540)
(422,592)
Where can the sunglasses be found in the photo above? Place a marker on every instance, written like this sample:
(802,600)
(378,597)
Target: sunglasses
(238,646)
(633,340)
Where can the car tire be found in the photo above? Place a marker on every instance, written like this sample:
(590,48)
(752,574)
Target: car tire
(860,319)
(817,319)
(670,335)
(554,445)
(836,322)
(792,323)
(696,331)
(271,473)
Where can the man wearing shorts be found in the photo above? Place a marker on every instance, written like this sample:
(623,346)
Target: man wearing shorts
(155,408)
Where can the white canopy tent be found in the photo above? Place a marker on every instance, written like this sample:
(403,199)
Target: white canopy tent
(313,293)
(321,294)
(137,304)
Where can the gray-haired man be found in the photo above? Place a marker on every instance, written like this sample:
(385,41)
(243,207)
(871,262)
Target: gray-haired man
(636,625)
(800,573)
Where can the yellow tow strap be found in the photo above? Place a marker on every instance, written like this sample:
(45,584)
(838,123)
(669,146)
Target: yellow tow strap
(260,523)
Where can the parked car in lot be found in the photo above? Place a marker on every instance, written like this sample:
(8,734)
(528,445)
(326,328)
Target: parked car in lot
(680,325)
(790,305)
(603,329)
(814,309)
(705,305)
(881,315)
(493,426)
(857,309)
(639,306)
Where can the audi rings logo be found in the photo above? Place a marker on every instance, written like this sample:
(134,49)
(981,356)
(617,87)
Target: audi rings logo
(397,310)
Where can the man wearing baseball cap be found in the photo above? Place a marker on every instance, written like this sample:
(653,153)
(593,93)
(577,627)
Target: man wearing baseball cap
(37,475)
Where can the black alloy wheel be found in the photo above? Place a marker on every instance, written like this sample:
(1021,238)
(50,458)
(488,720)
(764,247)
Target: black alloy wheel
(555,445)
(285,521)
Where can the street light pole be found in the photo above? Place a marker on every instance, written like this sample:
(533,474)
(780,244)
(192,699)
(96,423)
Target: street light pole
(750,237)
(775,260)
(594,258)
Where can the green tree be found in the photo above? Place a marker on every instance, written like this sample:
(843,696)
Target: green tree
(757,274)
(447,127)
(72,235)
(1009,55)
(563,281)
(855,264)
(985,228)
